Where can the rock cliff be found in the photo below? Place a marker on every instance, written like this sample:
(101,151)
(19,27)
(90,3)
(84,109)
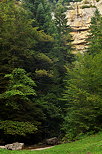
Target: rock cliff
(79,16)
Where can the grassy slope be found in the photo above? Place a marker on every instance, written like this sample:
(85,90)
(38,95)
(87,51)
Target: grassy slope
(87,145)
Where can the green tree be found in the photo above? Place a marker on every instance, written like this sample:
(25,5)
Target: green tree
(27,46)
(41,13)
(83,97)
(20,87)
(62,46)
(95,37)
(15,102)
(18,39)
(17,128)
(21,46)
(62,57)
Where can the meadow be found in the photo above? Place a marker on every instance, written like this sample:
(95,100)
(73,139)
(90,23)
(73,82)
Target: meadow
(87,145)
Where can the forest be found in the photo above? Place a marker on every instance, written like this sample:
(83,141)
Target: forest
(46,90)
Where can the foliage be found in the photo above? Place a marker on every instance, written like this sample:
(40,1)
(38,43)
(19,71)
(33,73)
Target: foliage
(20,86)
(19,91)
(62,35)
(18,39)
(41,73)
(43,58)
(95,37)
(15,17)
(24,45)
(51,58)
(67,0)
(41,12)
(83,96)
(88,6)
(35,42)
(17,128)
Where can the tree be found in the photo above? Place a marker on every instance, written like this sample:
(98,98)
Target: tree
(41,13)
(15,102)
(95,37)
(18,44)
(20,47)
(26,48)
(20,87)
(16,38)
(62,45)
(83,97)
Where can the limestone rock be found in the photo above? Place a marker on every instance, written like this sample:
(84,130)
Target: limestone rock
(14,146)
(79,18)
(2,147)
(52,141)
(99,6)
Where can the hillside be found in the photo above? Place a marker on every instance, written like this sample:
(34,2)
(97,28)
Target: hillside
(87,145)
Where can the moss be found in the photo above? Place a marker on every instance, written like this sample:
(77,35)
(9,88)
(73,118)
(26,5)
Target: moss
(88,6)
(86,2)
(42,73)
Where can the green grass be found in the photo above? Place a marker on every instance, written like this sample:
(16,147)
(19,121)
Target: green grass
(87,145)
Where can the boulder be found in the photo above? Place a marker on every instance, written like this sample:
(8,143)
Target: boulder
(52,141)
(14,146)
(2,147)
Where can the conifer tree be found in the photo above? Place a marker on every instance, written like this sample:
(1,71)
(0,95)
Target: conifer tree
(24,44)
(18,39)
(83,97)
(95,37)
(19,48)
(41,13)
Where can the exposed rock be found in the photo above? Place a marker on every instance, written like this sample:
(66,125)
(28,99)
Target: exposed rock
(52,141)
(14,146)
(79,18)
(2,147)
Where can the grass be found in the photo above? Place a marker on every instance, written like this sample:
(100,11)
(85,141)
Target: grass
(87,145)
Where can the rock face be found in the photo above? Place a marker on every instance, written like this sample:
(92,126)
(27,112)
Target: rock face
(52,141)
(14,146)
(79,16)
